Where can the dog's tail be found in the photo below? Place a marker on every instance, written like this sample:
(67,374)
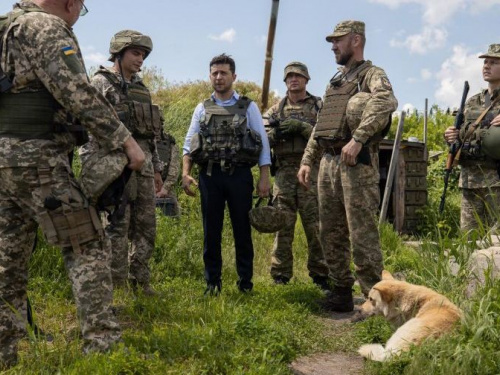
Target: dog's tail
(375,352)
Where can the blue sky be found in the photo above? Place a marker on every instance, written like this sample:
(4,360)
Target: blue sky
(427,47)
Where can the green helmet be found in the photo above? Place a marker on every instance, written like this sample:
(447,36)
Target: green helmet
(99,171)
(298,68)
(129,38)
(269,219)
(490,144)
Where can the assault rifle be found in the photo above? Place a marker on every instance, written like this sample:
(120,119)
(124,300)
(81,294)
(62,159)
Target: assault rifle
(455,147)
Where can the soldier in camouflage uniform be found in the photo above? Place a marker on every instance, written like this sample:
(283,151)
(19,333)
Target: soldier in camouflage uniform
(289,124)
(41,58)
(169,155)
(126,92)
(357,108)
(479,180)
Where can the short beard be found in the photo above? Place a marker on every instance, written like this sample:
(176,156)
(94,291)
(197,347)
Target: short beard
(344,58)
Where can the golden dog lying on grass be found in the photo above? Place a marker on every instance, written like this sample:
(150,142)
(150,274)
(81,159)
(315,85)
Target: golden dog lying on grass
(419,312)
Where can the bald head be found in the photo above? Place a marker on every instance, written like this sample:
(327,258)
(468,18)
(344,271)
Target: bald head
(67,10)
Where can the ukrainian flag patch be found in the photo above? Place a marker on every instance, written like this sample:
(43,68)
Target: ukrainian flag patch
(68,50)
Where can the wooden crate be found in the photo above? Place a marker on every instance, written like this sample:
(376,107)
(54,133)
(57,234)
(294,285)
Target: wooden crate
(409,190)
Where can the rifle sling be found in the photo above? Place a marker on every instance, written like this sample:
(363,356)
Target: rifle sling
(472,129)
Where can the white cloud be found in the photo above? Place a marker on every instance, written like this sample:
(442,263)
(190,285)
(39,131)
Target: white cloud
(408,107)
(425,74)
(461,66)
(430,38)
(435,12)
(435,16)
(411,80)
(93,57)
(228,35)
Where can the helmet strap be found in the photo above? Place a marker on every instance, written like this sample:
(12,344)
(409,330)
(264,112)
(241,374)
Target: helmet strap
(123,84)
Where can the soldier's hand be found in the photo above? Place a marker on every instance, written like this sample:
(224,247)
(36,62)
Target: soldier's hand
(350,152)
(163,193)
(304,175)
(496,121)
(134,153)
(307,130)
(451,134)
(187,181)
(158,182)
(291,126)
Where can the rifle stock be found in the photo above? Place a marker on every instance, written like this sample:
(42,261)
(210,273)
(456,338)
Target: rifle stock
(455,147)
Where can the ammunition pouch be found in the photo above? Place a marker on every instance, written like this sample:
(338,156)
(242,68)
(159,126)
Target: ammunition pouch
(71,228)
(251,146)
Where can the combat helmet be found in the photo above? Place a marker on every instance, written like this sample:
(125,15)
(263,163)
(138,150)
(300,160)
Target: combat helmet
(129,38)
(298,68)
(490,145)
(268,219)
(99,172)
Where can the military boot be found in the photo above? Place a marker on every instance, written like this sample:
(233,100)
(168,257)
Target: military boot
(340,299)
(322,282)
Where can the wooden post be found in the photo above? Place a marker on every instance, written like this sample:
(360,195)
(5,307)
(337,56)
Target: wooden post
(269,54)
(392,167)
(425,129)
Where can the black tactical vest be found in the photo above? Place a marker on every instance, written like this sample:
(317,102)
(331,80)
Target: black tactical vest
(224,136)
(332,123)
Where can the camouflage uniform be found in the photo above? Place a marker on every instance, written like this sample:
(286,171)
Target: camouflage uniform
(289,196)
(171,168)
(479,179)
(349,196)
(38,187)
(139,221)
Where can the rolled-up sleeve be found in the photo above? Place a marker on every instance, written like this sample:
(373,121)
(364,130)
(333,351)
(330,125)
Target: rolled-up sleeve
(194,128)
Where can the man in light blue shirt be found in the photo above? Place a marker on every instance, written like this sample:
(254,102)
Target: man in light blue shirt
(226,138)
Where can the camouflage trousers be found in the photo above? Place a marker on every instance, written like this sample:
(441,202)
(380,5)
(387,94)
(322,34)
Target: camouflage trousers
(290,196)
(22,210)
(481,204)
(139,226)
(348,202)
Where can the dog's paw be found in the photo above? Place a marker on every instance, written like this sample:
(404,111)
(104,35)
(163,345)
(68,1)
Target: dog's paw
(375,352)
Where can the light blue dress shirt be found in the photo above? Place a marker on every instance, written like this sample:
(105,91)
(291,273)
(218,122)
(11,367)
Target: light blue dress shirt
(254,122)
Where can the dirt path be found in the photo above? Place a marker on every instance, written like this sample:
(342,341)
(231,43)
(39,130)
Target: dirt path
(335,363)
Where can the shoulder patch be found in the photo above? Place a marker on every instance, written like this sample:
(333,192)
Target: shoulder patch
(385,83)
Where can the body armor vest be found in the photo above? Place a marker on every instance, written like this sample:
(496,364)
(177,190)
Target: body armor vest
(294,146)
(135,110)
(332,122)
(224,136)
(29,114)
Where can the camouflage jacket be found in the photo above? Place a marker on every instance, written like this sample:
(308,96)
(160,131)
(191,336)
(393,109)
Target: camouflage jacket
(173,169)
(104,86)
(379,107)
(476,174)
(41,51)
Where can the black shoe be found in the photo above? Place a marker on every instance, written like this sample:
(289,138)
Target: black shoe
(322,282)
(340,299)
(244,286)
(281,280)
(213,289)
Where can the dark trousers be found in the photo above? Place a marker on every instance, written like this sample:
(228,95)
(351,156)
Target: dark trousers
(236,189)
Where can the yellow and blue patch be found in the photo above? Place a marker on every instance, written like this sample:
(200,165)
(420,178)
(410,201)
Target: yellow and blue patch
(68,50)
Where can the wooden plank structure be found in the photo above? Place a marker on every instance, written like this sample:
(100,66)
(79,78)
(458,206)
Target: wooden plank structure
(409,190)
